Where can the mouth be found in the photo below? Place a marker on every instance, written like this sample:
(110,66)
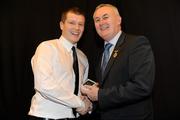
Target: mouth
(75,33)
(104,27)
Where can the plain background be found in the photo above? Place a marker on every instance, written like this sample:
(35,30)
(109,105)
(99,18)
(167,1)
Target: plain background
(26,23)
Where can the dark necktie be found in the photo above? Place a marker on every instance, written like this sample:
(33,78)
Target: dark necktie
(105,57)
(76,71)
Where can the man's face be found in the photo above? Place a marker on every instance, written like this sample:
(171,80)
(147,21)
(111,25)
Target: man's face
(107,22)
(73,27)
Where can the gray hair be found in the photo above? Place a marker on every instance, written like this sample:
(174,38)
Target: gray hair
(107,5)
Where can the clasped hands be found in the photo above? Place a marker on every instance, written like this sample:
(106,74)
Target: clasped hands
(86,108)
(89,93)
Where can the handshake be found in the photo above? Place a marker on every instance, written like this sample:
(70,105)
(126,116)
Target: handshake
(89,91)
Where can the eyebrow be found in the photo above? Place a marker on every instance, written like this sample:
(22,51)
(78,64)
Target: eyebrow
(104,15)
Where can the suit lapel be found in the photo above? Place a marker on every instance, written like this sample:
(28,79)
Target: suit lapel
(98,67)
(114,55)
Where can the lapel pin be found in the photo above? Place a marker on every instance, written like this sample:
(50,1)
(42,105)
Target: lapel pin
(115,53)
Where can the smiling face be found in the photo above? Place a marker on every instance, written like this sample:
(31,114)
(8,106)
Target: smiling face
(107,22)
(72,27)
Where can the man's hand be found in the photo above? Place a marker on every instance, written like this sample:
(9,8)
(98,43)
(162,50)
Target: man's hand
(90,91)
(87,108)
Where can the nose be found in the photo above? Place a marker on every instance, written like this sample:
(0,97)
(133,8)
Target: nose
(101,22)
(77,27)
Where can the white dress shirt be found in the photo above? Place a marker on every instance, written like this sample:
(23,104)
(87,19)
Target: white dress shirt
(54,79)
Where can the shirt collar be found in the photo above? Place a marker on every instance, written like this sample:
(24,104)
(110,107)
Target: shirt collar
(68,45)
(115,39)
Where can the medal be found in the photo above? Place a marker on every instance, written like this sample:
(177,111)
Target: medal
(115,53)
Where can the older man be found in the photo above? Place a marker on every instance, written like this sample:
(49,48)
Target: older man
(125,72)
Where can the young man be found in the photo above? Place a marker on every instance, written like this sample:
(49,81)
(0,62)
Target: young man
(55,75)
(125,71)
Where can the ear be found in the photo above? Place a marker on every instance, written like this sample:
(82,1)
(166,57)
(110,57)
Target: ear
(119,19)
(61,24)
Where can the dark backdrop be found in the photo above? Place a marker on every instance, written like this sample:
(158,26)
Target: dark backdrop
(26,23)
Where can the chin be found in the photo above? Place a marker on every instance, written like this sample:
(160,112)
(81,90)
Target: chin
(75,41)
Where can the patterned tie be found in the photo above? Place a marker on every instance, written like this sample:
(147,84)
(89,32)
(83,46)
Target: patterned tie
(105,57)
(76,71)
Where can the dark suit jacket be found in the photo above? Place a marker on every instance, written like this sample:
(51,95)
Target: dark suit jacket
(126,87)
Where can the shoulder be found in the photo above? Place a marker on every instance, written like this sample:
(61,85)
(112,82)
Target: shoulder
(139,45)
(48,44)
(136,40)
(47,47)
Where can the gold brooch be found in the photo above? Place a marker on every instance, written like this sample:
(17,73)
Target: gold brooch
(115,53)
